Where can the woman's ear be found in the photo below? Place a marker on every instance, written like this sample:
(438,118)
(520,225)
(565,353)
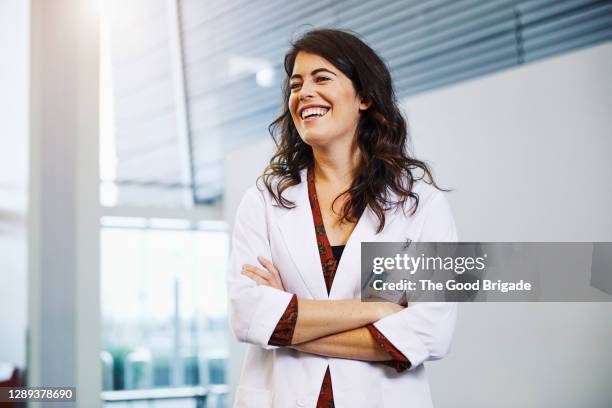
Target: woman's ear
(365,104)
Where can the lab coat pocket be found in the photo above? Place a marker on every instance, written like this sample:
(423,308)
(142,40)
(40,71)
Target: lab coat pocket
(247,397)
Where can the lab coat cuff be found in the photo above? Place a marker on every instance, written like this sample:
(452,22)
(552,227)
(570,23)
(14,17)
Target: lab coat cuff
(403,338)
(267,313)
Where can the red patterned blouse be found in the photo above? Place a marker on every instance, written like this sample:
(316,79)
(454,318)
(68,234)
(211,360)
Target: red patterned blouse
(283,333)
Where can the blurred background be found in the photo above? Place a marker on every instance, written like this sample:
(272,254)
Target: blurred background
(130,130)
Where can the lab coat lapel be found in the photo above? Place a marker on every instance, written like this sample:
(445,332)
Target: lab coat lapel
(348,272)
(297,228)
(347,281)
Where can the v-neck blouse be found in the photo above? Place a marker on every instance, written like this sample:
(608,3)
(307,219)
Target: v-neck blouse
(330,258)
(337,251)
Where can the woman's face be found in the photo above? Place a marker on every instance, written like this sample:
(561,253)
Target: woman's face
(323,102)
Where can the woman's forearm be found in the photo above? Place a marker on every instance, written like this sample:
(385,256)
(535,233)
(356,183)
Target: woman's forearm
(319,318)
(356,344)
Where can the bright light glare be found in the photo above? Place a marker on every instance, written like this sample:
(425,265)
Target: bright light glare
(265,77)
(262,68)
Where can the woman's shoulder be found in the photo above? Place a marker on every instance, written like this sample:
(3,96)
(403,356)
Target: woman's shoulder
(260,192)
(267,187)
(434,213)
(426,193)
(256,195)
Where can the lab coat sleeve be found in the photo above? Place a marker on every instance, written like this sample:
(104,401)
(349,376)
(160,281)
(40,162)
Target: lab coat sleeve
(254,310)
(424,330)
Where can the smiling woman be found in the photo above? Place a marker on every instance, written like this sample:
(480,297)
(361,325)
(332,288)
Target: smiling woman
(340,176)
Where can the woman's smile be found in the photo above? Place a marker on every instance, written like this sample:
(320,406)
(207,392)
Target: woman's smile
(312,113)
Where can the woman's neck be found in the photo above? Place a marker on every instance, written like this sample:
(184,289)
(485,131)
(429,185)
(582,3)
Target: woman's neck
(336,165)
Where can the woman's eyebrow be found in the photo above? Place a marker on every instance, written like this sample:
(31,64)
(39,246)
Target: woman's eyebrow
(314,72)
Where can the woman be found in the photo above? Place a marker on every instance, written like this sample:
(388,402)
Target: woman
(340,176)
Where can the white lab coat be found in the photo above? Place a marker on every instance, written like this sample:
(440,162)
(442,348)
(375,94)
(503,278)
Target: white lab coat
(283,377)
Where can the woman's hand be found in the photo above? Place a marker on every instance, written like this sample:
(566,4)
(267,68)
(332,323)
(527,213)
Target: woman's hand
(268,276)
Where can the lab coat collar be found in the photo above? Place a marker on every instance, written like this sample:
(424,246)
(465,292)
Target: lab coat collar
(297,228)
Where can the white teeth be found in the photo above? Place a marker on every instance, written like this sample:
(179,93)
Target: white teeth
(314,111)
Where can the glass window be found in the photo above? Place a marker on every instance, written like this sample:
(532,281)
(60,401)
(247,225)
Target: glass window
(164,312)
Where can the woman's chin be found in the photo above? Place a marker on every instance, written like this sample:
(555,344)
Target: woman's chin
(314,138)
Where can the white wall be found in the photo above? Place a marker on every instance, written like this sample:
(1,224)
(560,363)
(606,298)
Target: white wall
(14,63)
(528,152)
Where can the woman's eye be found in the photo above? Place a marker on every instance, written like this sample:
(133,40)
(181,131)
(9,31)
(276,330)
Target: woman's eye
(322,79)
(294,85)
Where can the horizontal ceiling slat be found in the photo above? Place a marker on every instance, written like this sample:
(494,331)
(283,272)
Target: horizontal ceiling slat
(448,44)
(244,128)
(147,73)
(448,33)
(148,100)
(591,36)
(165,120)
(565,21)
(197,12)
(460,59)
(131,143)
(241,97)
(127,13)
(199,46)
(137,149)
(534,12)
(235,120)
(367,17)
(143,38)
(150,165)
(413,87)
(583,27)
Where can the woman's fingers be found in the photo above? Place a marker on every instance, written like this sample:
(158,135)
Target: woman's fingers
(255,274)
(273,271)
(268,265)
(269,276)
(258,271)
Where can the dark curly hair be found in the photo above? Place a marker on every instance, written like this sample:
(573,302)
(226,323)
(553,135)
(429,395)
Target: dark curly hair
(384,165)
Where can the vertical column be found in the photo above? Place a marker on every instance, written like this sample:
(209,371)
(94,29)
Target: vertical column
(180,102)
(64,311)
(177,377)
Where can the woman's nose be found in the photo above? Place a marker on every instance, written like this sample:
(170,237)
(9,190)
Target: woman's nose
(306,91)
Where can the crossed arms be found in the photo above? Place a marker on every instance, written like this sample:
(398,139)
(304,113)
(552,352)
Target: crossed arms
(338,328)
(332,328)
